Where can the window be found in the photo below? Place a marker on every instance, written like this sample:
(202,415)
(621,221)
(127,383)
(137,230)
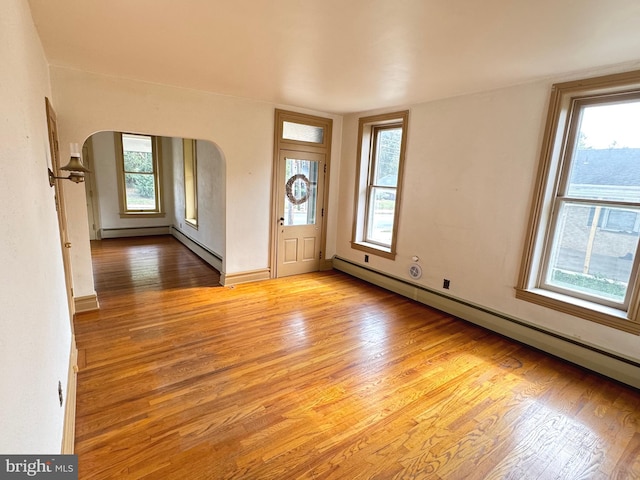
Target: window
(190,182)
(381,147)
(139,175)
(302,132)
(582,254)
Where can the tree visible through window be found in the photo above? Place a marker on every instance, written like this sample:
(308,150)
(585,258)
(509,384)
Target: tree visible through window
(381,146)
(139,173)
(383,184)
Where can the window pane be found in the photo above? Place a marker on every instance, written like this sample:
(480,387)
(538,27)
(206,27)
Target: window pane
(301,192)
(302,132)
(387,157)
(381,214)
(140,191)
(606,160)
(137,153)
(590,259)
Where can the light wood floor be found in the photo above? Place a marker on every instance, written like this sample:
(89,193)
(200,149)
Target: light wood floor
(322,376)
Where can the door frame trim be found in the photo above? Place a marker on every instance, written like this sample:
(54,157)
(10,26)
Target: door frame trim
(91,189)
(61,209)
(280,144)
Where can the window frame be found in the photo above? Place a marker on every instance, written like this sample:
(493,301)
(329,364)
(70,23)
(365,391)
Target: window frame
(550,194)
(126,212)
(365,185)
(190,170)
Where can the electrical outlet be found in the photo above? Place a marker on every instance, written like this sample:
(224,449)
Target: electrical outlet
(366,259)
(60,392)
(446,283)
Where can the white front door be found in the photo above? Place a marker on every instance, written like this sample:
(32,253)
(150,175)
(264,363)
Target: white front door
(301,194)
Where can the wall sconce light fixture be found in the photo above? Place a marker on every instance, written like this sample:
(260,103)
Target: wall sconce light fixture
(75,168)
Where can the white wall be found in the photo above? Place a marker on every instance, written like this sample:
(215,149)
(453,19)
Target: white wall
(469,176)
(34,321)
(211,195)
(242,129)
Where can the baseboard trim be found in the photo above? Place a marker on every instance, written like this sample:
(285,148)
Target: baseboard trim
(88,303)
(326,264)
(69,428)
(209,256)
(229,279)
(134,231)
(610,364)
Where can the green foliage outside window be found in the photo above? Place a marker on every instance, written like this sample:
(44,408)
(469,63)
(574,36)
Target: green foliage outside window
(592,283)
(388,156)
(139,176)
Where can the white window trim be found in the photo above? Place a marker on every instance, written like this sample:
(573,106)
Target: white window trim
(555,142)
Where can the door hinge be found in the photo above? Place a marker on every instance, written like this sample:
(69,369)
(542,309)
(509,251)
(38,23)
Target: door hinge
(325,168)
(322,213)
(320,254)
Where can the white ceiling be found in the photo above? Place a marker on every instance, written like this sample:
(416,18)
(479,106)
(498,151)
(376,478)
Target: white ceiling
(338,55)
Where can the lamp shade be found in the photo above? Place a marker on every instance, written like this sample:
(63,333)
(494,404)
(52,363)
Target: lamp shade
(75,165)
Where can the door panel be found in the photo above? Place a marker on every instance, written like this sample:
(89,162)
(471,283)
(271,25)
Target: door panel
(290,250)
(300,190)
(309,248)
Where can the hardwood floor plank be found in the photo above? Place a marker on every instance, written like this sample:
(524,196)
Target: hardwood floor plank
(321,376)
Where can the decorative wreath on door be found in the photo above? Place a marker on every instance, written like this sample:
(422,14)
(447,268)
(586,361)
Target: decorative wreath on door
(289,188)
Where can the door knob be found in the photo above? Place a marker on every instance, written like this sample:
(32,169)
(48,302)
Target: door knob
(67,244)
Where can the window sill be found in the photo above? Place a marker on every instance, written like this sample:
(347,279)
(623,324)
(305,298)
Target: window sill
(374,249)
(191,222)
(142,215)
(594,312)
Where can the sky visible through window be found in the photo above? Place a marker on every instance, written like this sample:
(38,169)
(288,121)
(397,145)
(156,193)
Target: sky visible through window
(611,126)
(595,245)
